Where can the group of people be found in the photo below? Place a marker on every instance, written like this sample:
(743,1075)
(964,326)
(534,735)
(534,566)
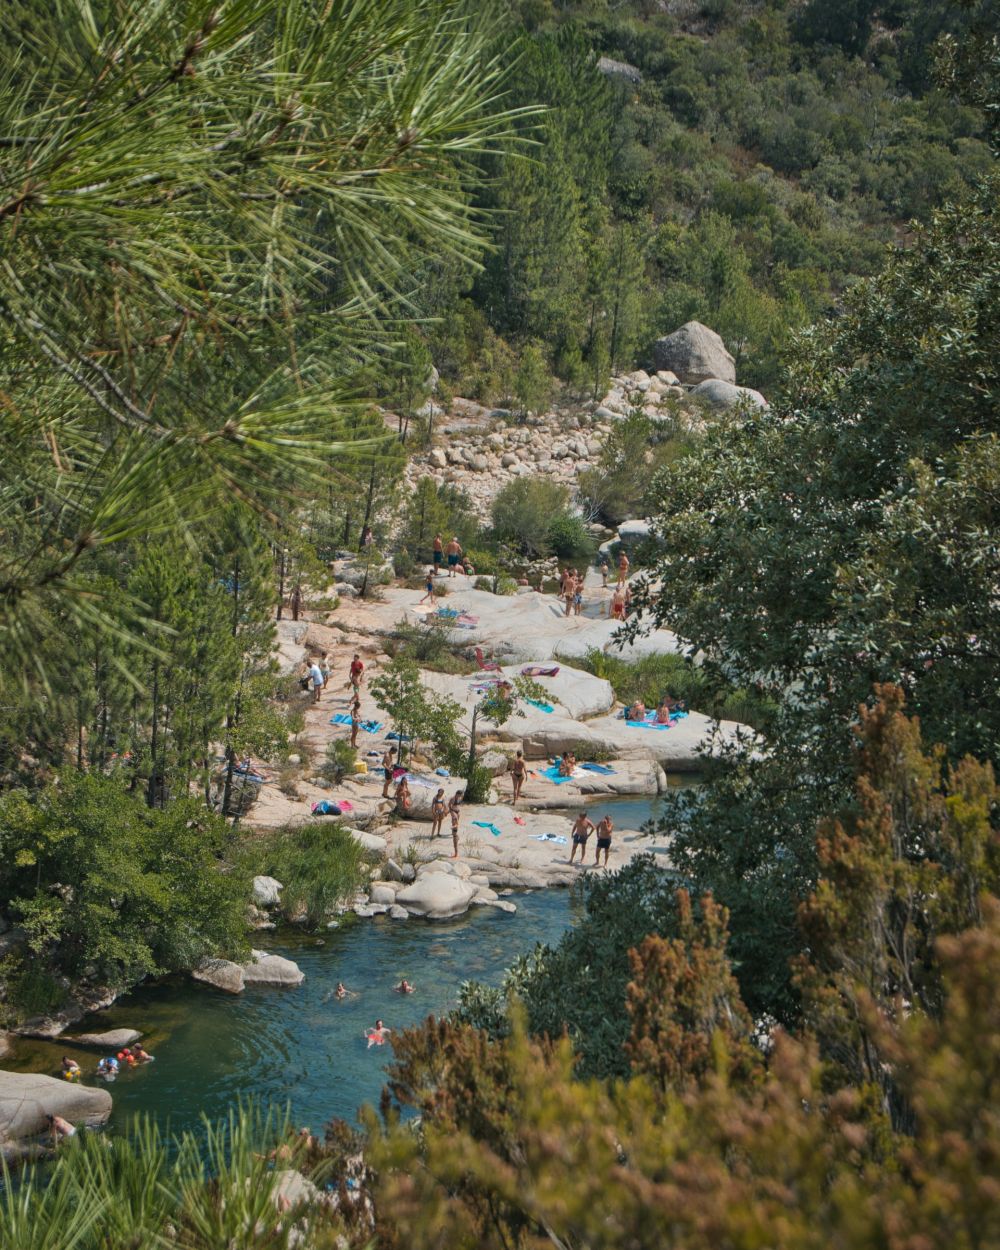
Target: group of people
(109,1067)
(440,806)
(571,589)
(316,676)
(453,552)
(637,710)
(583,827)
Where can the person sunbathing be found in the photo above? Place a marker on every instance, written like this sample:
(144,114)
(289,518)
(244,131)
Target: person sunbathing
(403,799)
(567,764)
(667,705)
(637,711)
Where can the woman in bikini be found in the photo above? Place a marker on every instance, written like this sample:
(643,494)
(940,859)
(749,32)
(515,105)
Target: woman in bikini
(518,772)
(455,809)
(403,797)
(438,810)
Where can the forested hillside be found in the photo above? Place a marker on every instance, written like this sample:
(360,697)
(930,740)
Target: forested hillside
(737,163)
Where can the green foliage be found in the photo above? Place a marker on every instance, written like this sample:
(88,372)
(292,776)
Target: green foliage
(579,986)
(184,305)
(702,687)
(110,891)
(136,1188)
(320,865)
(432,509)
(524,510)
(617,487)
(569,538)
(874,564)
(340,758)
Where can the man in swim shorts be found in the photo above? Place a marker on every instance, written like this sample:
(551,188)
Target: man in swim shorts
(388,760)
(454,550)
(438,553)
(582,829)
(604,827)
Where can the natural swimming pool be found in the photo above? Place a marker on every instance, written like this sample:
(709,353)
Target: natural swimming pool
(301,1046)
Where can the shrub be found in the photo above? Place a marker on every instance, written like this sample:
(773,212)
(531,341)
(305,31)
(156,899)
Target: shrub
(340,757)
(523,512)
(320,866)
(104,884)
(569,537)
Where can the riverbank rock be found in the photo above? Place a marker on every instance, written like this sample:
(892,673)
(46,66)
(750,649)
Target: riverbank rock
(223,974)
(437,896)
(267,969)
(369,841)
(113,1039)
(694,353)
(6,1043)
(26,1098)
(267,891)
(723,395)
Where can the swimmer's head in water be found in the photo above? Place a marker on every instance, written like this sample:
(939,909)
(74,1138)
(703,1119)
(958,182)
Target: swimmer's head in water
(379,1024)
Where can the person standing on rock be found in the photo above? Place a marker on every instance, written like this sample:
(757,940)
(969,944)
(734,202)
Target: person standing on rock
(618,605)
(438,809)
(428,587)
(357,673)
(316,677)
(604,574)
(582,829)
(355,721)
(455,811)
(569,590)
(438,553)
(388,759)
(454,550)
(518,772)
(578,594)
(604,828)
(623,566)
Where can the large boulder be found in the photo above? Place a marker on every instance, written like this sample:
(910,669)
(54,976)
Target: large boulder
(223,974)
(437,896)
(26,1098)
(113,1039)
(694,353)
(369,841)
(267,969)
(267,891)
(722,395)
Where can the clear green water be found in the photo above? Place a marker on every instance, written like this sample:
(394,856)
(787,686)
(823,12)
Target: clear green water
(301,1046)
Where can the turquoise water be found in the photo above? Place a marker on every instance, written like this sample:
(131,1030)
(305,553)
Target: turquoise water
(301,1046)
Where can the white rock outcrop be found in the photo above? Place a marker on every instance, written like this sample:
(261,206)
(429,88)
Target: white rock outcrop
(722,395)
(267,891)
(113,1039)
(223,974)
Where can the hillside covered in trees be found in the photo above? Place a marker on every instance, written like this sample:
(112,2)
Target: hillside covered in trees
(741,164)
(235,238)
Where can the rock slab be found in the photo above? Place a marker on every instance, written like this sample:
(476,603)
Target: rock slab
(26,1098)
(267,891)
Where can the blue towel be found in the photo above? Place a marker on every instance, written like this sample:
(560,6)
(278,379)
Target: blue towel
(552,772)
(369,726)
(485,824)
(644,724)
(598,768)
(544,707)
(395,737)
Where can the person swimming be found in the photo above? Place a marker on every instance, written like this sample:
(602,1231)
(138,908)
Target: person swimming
(108,1068)
(139,1055)
(377,1035)
(70,1069)
(404,987)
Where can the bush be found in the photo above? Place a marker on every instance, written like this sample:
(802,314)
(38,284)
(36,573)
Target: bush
(320,866)
(339,763)
(478,781)
(569,538)
(108,888)
(523,512)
